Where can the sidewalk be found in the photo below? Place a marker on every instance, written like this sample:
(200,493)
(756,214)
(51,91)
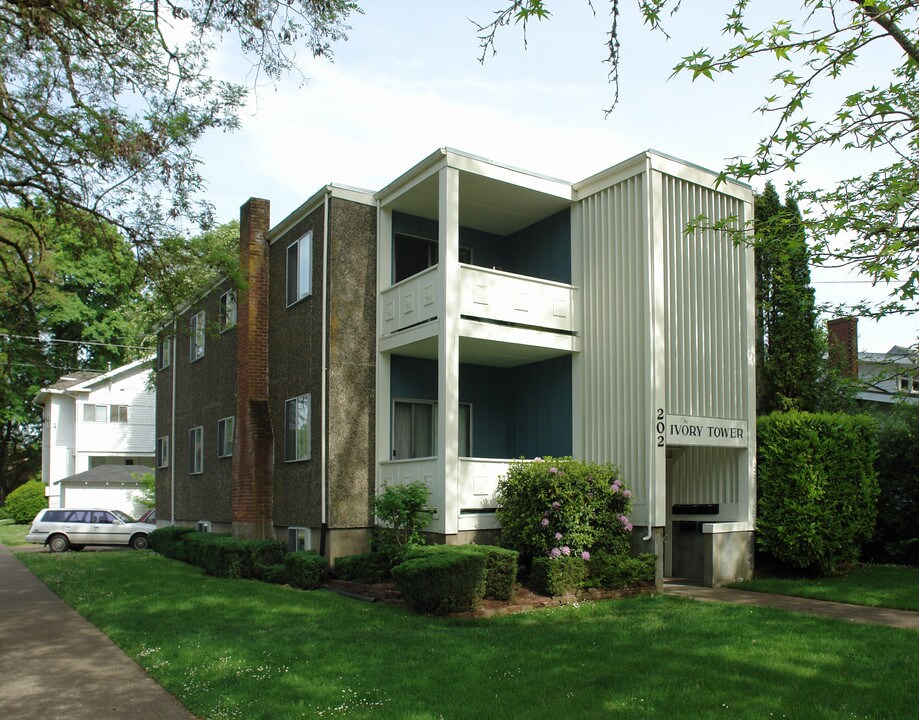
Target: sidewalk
(55,664)
(839,611)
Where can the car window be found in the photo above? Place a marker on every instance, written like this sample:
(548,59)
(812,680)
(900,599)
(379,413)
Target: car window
(53,516)
(124,517)
(78,516)
(103,518)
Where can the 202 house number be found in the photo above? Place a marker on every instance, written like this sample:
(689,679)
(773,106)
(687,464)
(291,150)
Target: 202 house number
(661,427)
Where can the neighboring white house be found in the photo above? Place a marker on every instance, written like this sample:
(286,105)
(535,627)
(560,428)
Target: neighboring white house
(889,377)
(92,419)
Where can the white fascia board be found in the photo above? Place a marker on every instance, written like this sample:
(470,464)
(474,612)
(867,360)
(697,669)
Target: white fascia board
(105,377)
(409,179)
(508,174)
(635,165)
(699,175)
(315,201)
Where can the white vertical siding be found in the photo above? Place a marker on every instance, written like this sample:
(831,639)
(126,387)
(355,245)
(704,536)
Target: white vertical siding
(702,475)
(705,305)
(615,387)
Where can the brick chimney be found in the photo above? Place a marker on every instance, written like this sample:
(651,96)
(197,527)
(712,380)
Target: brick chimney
(842,338)
(253,459)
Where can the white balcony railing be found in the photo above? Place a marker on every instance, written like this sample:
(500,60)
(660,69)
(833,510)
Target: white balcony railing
(410,302)
(500,296)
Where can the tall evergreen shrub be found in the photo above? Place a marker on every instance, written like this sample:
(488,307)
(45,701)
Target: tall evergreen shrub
(816,487)
(25,501)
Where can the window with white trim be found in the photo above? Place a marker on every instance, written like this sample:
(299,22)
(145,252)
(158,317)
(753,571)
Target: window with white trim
(225,428)
(118,413)
(95,413)
(297,429)
(162,451)
(163,353)
(909,385)
(227,315)
(196,450)
(299,268)
(196,336)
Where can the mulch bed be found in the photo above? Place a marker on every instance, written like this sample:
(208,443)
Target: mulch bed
(523,600)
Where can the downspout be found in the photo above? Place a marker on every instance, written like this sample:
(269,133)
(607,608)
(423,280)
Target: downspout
(324,443)
(172,429)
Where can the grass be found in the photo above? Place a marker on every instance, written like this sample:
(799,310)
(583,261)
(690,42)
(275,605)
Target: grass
(891,586)
(13,535)
(243,649)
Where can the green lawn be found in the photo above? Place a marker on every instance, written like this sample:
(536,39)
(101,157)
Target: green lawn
(891,586)
(243,649)
(13,535)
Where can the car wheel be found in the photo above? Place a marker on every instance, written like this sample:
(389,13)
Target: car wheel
(140,542)
(58,543)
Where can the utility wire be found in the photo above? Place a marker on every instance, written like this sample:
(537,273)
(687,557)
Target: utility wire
(74,342)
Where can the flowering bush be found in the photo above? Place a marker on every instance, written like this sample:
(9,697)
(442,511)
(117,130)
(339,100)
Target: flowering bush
(561,507)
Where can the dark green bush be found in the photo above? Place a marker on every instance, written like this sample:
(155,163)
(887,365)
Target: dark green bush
(369,567)
(500,566)
(561,506)
(896,535)
(305,569)
(446,580)
(167,541)
(23,503)
(816,487)
(558,576)
(276,574)
(610,571)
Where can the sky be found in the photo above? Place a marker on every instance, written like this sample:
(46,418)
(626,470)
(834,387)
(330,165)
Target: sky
(408,81)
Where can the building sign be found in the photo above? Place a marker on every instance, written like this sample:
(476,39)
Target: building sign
(706,431)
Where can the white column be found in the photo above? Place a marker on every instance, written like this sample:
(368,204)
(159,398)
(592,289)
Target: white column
(448,348)
(383,377)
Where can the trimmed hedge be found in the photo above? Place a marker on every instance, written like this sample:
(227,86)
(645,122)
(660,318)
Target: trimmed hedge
(558,576)
(500,566)
(24,503)
(305,569)
(218,554)
(620,571)
(446,580)
(371,567)
(817,487)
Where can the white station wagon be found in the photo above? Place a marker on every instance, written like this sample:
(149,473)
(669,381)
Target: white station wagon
(74,529)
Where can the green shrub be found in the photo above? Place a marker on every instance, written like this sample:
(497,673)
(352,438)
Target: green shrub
(561,506)
(896,535)
(369,567)
(167,541)
(500,566)
(276,574)
(447,580)
(558,576)
(223,555)
(403,512)
(305,569)
(816,487)
(619,571)
(25,501)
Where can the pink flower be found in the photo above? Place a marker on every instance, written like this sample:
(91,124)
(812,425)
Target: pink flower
(628,526)
(537,459)
(558,536)
(554,553)
(626,493)
(566,550)
(556,504)
(623,519)
(614,488)
(617,482)
(553,470)
(544,522)
(585,555)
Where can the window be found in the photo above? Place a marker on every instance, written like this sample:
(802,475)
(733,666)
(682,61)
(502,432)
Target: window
(95,413)
(225,436)
(299,268)
(118,413)
(412,255)
(162,452)
(163,353)
(297,429)
(415,426)
(196,337)
(227,317)
(196,450)
(909,385)
(413,429)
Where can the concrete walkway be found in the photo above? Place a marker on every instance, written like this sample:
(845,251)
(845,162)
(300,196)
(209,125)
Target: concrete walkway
(55,664)
(839,611)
